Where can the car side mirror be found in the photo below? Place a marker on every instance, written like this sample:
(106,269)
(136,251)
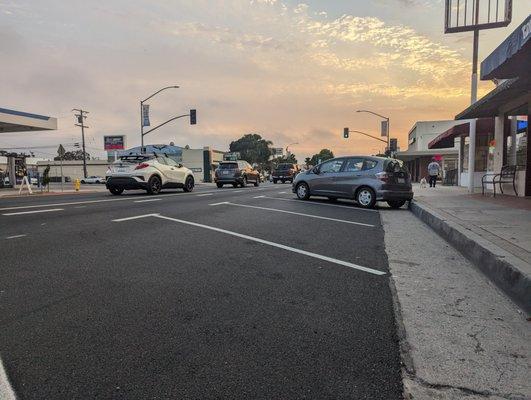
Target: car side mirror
(179,165)
(316,171)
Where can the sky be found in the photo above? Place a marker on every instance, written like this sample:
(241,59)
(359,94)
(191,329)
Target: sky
(291,71)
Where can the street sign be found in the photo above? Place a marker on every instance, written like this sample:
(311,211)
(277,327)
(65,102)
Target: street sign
(61,151)
(385,128)
(277,151)
(145,115)
(116,142)
(231,156)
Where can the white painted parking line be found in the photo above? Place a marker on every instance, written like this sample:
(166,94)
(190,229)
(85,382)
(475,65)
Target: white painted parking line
(296,213)
(218,204)
(259,197)
(136,217)
(309,202)
(15,236)
(6,391)
(205,194)
(147,200)
(262,241)
(74,203)
(34,211)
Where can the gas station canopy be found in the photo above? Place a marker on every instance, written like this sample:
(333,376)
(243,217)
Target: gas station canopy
(19,121)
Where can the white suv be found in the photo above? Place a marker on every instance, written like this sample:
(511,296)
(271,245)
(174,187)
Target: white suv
(149,172)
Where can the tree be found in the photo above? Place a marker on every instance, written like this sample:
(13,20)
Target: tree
(308,161)
(252,148)
(73,155)
(290,159)
(323,155)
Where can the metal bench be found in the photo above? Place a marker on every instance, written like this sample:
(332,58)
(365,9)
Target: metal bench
(506,175)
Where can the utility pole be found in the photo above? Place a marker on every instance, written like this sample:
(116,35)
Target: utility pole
(81,123)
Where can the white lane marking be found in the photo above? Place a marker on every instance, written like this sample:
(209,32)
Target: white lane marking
(147,200)
(352,207)
(136,217)
(237,191)
(218,204)
(35,211)
(259,197)
(282,192)
(205,194)
(296,213)
(15,236)
(266,242)
(6,391)
(73,203)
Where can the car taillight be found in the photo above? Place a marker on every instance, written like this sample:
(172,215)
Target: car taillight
(383,176)
(142,165)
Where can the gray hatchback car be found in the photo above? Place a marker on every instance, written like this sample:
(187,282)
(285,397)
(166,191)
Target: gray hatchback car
(361,178)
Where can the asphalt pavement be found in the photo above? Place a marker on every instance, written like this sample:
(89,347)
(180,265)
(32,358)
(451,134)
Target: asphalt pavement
(215,294)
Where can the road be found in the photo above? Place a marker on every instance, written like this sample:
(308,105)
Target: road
(232,293)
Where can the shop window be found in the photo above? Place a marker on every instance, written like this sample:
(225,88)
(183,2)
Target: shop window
(516,145)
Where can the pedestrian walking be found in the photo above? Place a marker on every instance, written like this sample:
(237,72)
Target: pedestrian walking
(433,171)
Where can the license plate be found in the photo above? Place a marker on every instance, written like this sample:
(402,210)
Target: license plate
(121,169)
(401,180)
(224,172)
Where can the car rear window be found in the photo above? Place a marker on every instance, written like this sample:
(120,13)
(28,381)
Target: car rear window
(395,166)
(285,166)
(133,159)
(228,165)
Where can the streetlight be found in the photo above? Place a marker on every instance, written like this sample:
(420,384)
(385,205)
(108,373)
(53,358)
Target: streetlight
(142,114)
(388,125)
(287,147)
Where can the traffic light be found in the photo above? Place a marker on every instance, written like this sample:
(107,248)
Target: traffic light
(345,133)
(193,117)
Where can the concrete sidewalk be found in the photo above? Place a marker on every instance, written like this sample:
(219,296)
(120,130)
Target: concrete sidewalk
(494,233)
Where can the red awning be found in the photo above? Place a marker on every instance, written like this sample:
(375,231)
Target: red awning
(484,126)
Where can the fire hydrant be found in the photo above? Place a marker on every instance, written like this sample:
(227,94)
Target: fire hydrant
(77,184)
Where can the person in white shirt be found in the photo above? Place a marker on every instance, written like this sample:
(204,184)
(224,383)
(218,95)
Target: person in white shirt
(433,171)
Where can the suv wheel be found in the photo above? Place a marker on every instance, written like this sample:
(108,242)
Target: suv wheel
(275,181)
(189,184)
(396,203)
(244,182)
(116,191)
(154,185)
(219,185)
(257,182)
(303,191)
(366,197)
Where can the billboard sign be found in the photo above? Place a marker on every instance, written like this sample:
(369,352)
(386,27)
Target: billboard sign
(231,156)
(116,142)
(472,15)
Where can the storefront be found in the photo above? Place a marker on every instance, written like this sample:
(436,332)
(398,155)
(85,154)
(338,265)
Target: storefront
(497,124)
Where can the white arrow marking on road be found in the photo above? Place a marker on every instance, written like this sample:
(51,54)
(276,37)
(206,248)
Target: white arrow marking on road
(137,217)
(35,212)
(262,241)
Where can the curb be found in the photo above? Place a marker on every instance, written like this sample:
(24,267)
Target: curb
(497,264)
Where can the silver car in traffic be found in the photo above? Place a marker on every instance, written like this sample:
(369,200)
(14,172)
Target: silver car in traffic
(364,179)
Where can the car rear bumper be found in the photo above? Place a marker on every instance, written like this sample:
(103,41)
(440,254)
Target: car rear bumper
(125,182)
(283,177)
(384,195)
(229,180)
